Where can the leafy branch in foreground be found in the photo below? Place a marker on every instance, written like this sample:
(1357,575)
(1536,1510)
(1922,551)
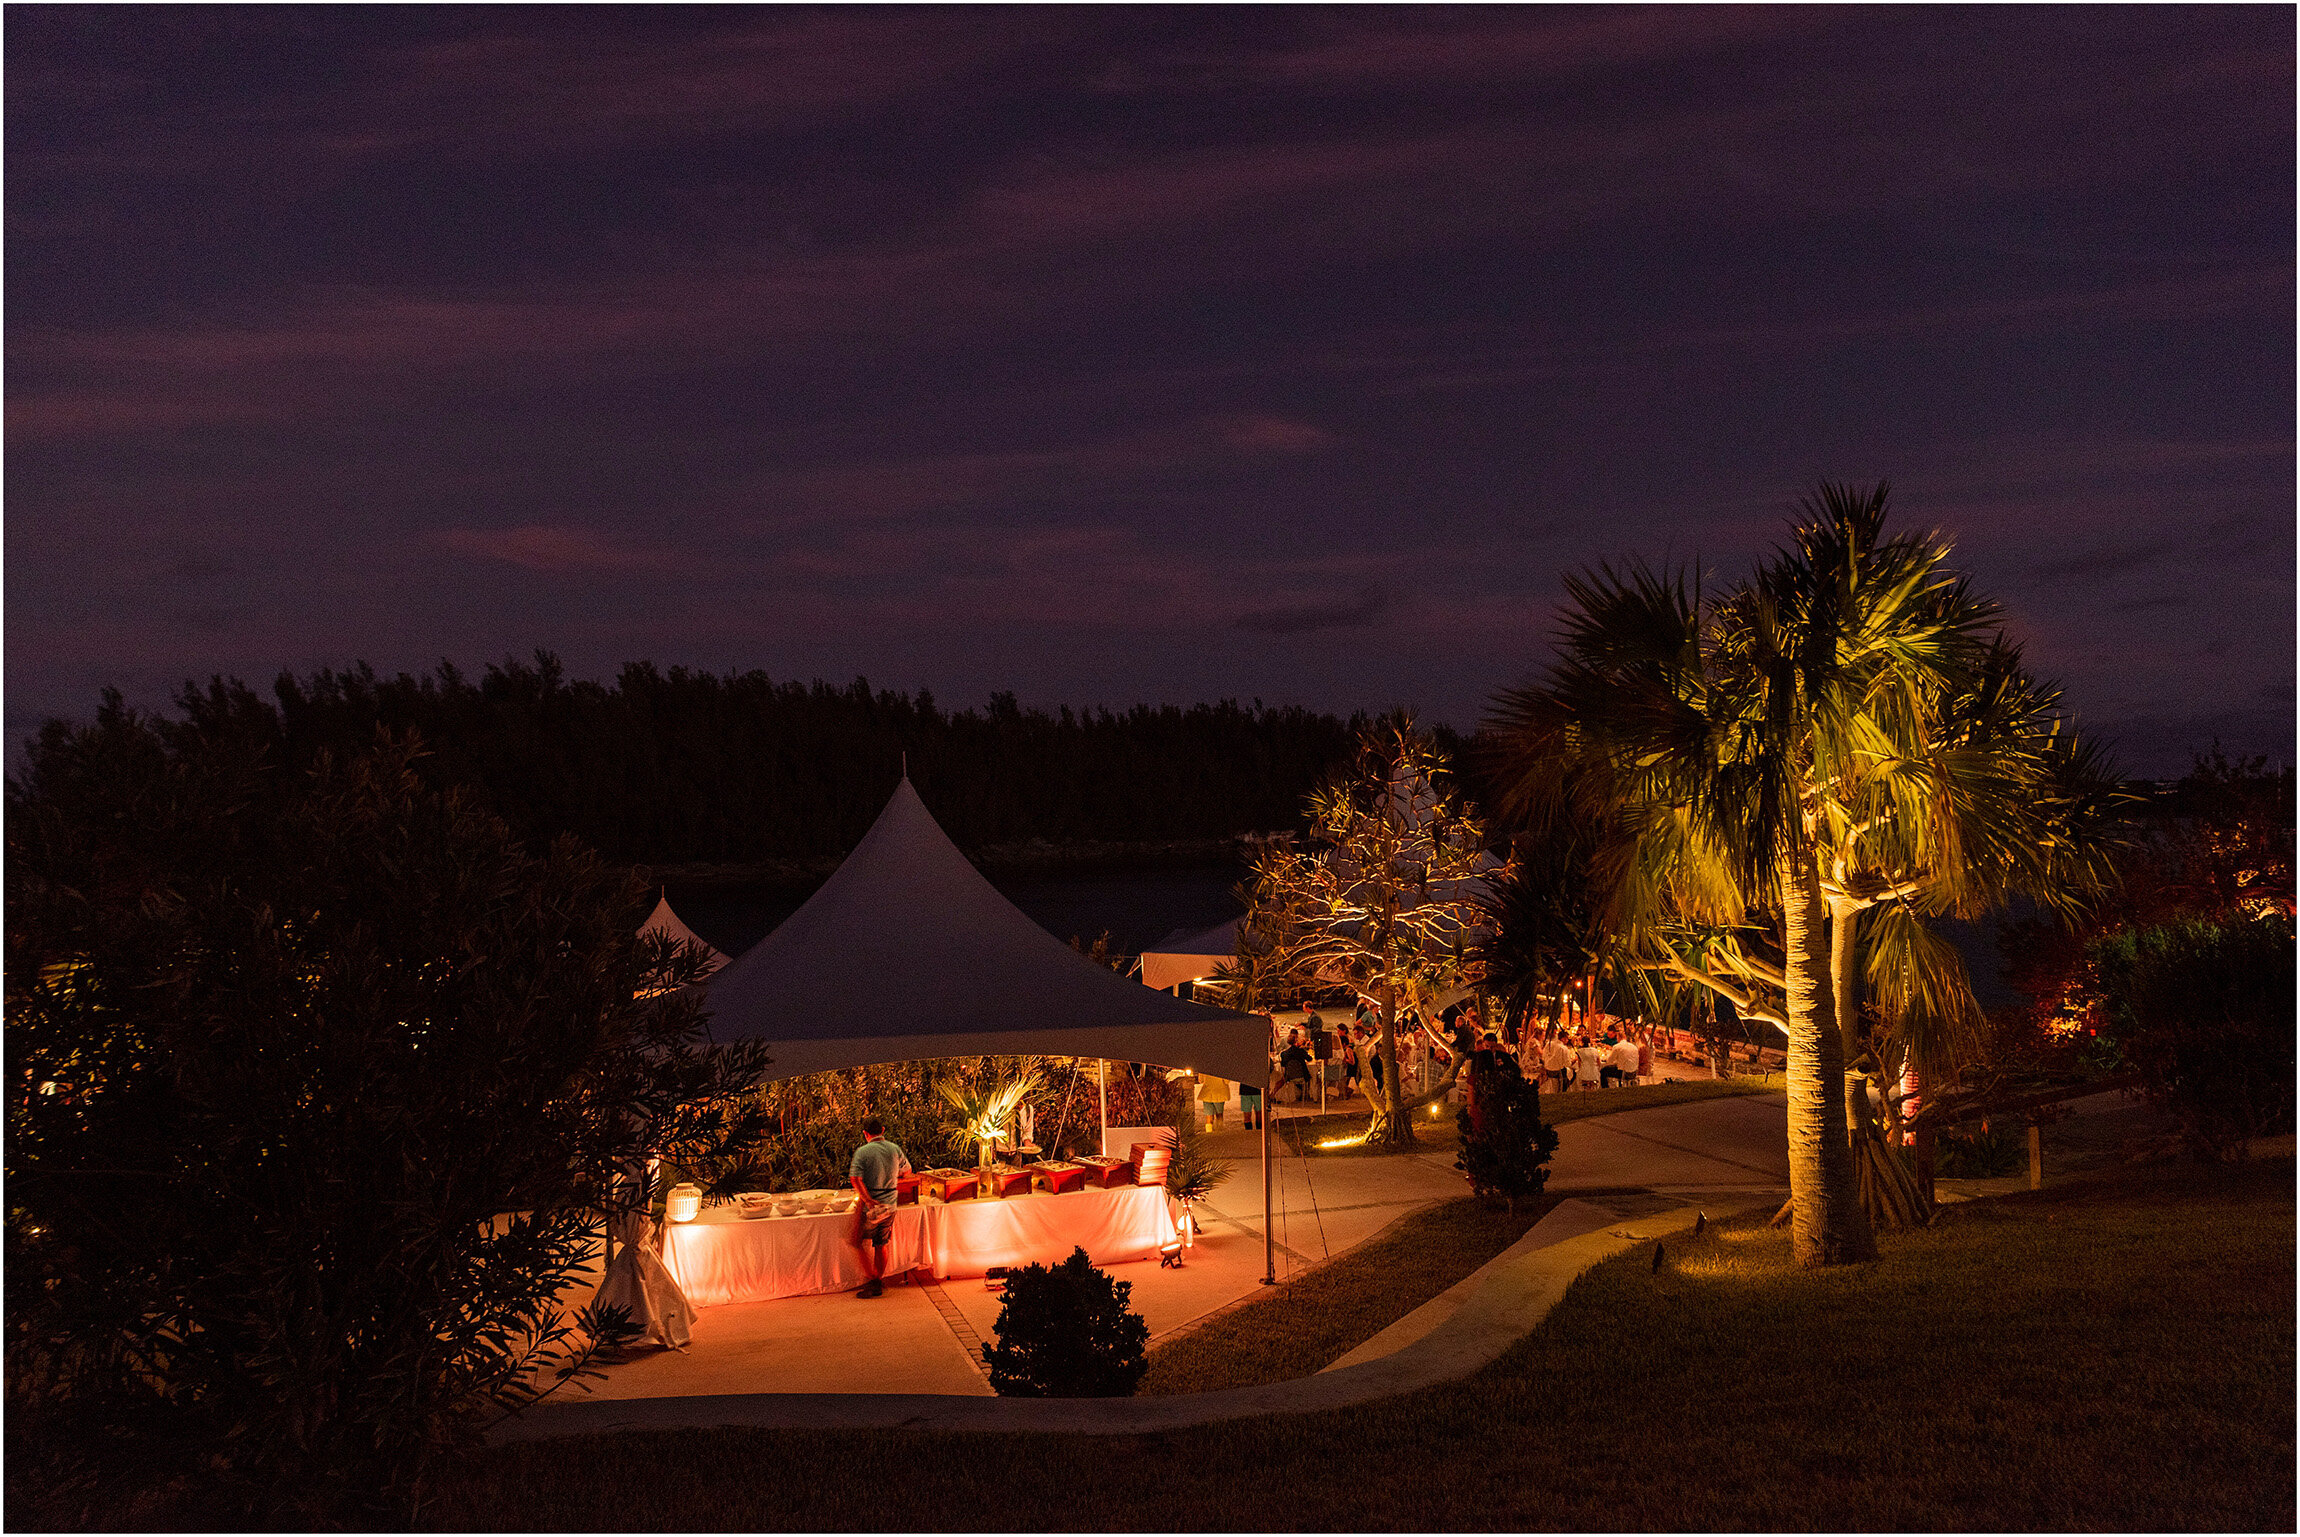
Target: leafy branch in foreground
(320,1086)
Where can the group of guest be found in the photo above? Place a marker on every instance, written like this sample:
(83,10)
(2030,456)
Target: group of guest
(1346,1054)
(1572,1059)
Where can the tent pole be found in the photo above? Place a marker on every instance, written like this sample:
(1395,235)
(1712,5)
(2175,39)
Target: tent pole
(1103,1094)
(1269,1238)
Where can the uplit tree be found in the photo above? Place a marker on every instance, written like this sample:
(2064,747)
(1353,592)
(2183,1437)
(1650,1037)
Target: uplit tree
(1385,899)
(1839,743)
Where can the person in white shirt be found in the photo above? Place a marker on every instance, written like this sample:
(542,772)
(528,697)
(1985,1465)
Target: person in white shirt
(1557,1060)
(1592,1066)
(1625,1062)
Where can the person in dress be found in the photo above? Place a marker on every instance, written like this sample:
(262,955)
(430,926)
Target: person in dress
(1213,1099)
(875,1171)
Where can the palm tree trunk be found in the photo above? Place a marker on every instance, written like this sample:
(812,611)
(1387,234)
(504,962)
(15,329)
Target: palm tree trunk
(1891,1194)
(1844,989)
(1828,1225)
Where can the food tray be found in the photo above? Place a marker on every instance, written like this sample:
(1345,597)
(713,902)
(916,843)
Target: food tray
(1107,1172)
(949,1184)
(1060,1177)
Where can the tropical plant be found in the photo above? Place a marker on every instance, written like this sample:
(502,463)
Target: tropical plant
(1839,743)
(1386,900)
(1065,1331)
(1982,1150)
(1192,1173)
(985,1111)
(1545,925)
(319,1086)
(1253,979)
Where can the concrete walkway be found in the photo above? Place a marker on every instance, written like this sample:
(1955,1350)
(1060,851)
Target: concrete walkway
(1516,1293)
(1741,1142)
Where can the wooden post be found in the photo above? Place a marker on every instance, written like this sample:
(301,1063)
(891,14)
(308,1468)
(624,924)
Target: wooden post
(2036,1155)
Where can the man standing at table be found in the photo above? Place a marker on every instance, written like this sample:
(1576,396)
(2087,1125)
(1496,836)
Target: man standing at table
(1557,1060)
(1626,1060)
(877,1167)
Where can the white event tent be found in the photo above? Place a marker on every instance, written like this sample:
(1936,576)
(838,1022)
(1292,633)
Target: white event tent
(668,923)
(1184,957)
(907,952)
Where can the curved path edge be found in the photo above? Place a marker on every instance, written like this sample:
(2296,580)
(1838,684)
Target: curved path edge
(1507,1307)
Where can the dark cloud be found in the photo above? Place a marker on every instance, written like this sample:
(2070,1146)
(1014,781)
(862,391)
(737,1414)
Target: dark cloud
(1334,614)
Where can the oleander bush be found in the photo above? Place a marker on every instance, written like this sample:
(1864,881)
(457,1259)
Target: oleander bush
(1066,1332)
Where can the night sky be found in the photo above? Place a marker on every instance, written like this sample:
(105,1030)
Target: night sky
(1135,354)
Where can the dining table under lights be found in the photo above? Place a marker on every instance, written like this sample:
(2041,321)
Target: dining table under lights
(800,1244)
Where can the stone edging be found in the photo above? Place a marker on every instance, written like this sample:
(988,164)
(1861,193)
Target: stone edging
(1513,1300)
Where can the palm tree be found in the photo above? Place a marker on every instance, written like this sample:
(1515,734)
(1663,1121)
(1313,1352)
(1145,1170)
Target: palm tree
(1545,932)
(1840,736)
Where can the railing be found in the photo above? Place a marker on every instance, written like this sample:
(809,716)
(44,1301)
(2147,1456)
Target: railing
(1956,1109)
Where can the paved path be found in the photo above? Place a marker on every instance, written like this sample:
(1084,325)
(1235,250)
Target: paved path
(1740,1142)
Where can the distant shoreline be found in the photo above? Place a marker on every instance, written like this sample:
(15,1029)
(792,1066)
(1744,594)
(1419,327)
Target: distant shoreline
(1033,857)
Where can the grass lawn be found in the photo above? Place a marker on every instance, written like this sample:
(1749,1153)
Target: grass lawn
(1321,1316)
(2115,1353)
(1438,1131)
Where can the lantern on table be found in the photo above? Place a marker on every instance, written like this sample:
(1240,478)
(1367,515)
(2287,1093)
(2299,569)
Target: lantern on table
(683,1203)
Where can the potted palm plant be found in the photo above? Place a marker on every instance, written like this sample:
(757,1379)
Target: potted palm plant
(1192,1173)
(983,1112)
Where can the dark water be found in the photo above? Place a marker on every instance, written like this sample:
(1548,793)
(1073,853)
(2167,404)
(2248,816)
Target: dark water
(1138,909)
(1143,907)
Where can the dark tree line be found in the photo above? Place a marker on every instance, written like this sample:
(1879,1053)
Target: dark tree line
(668,766)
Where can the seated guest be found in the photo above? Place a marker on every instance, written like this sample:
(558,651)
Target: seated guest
(1294,1063)
(1592,1063)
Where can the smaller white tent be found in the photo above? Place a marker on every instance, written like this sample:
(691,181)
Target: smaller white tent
(666,922)
(1181,957)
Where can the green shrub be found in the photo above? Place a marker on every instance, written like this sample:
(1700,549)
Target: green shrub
(1066,1332)
(2202,1010)
(1981,1152)
(1505,1145)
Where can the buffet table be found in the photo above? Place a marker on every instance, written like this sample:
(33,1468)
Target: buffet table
(723,1257)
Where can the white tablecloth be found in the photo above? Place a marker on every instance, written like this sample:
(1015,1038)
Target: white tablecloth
(720,1257)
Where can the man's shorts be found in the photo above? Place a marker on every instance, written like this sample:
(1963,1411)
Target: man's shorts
(874,1223)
